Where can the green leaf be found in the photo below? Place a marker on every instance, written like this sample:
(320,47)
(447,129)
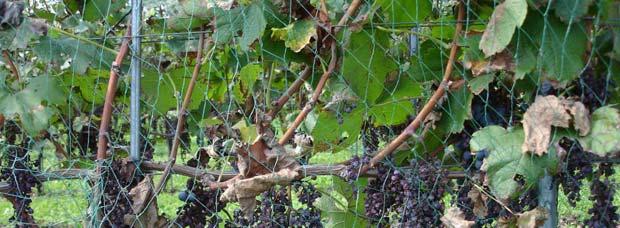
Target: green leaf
(253,26)
(334,131)
(525,62)
(457,109)
(506,17)
(13,38)
(391,113)
(57,50)
(271,49)
(405,11)
(365,65)
(165,91)
(247,77)
(249,74)
(102,9)
(26,104)
(200,9)
(48,88)
(248,132)
(506,162)
(227,24)
(296,35)
(428,64)
(394,105)
(559,48)
(604,137)
(480,83)
(571,10)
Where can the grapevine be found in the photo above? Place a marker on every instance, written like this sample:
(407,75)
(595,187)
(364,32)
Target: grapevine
(309,113)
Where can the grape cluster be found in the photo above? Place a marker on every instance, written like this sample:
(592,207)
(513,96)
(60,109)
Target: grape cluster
(370,138)
(86,139)
(604,213)
(201,206)
(577,166)
(493,107)
(378,200)
(276,209)
(593,89)
(170,125)
(201,202)
(118,178)
(474,162)
(18,173)
(414,194)
(352,171)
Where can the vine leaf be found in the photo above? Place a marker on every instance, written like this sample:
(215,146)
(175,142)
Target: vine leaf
(506,17)
(480,83)
(26,105)
(102,9)
(457,109)
(455,218)
(365,65)
(532,218)
(571,10)
(506,162)
(296,35)
(337,130)
(550,111)
(604,137)
(558,47)
(48,89)
(394,105)
(253,26)
(246,79)
(405,11)
(57,50)
(428,65)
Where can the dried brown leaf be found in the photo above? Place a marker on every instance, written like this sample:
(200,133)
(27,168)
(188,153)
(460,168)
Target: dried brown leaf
(499,62)
(146,211)
(581,116)
(246,190)
(532,218)
(551,111)
(480,209)
(265,156)
(454,218)
(545,112)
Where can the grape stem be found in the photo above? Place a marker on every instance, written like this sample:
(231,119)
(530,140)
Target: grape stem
(430,105)
(277,105)
(315,97)
(181,117)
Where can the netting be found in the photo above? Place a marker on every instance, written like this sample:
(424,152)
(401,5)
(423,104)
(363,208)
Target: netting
(309,113)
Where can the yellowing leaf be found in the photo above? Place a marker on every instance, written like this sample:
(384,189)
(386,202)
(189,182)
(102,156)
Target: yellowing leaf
(604,137)
(506,17)
(296,35)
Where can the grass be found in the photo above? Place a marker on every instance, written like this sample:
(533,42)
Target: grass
(64,202)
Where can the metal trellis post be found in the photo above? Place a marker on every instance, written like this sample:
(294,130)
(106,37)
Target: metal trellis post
(136,18)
